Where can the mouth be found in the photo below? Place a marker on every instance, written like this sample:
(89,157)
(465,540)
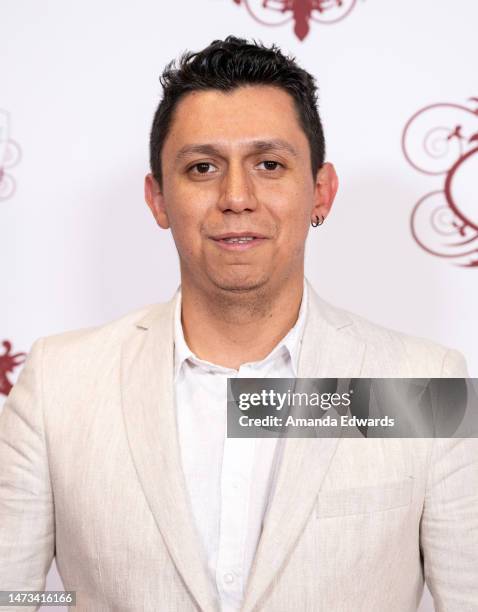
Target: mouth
(239,241)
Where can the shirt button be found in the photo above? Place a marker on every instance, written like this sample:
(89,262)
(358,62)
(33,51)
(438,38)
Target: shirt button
(228,578)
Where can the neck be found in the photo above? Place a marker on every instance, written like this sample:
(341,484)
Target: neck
(230,329)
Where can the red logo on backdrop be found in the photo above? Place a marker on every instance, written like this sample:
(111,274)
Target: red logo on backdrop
(8,363)
(9,157)
(441,140)
(300,12)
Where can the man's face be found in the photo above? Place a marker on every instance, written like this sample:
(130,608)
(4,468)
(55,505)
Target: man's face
(238,191)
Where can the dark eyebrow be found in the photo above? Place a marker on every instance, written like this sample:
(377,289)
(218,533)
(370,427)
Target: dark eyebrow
(203,149)
(256,146)
(275,144)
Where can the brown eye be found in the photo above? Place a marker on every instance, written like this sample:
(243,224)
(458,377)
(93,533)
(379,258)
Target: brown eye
(270,164)
(203,167)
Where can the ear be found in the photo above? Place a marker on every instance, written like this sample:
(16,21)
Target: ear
(155,200)
(326,186)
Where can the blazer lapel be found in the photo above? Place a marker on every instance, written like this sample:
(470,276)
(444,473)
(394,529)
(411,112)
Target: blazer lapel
(150,420)
(329,350)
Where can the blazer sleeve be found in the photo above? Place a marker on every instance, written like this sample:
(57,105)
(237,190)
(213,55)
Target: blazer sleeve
(27,537)
(449,524)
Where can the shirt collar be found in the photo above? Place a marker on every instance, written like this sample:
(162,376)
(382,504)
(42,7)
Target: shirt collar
(290,343)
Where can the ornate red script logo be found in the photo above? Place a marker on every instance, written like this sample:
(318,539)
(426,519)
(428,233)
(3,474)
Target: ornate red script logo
(8,363)
(301,12)
(9,156)
(441,140)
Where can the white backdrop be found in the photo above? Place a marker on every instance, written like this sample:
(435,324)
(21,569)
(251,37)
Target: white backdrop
(79,85)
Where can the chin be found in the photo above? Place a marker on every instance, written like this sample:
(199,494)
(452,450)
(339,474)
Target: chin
(239,285)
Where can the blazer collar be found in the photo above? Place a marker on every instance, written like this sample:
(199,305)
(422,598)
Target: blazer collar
(150,422)
(330,348)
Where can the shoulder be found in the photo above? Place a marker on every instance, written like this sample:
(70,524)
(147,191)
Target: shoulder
(391,350)
(424,357)
(96,342)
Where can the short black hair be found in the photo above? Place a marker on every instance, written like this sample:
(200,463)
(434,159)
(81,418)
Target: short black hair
(226,65)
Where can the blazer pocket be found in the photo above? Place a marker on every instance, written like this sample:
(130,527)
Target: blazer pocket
(363,500)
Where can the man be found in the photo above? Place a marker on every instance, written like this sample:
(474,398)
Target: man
(113,452)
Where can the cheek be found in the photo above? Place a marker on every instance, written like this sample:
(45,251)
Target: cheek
(186,213)
(294,211)
(293,217)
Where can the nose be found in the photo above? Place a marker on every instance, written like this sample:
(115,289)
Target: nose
(237,190)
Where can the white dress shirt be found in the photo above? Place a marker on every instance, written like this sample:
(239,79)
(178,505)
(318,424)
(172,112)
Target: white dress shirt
(229,480)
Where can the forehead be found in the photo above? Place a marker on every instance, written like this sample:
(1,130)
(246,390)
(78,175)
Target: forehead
(245,113)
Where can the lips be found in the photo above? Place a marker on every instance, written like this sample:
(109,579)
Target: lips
(239,240)
(233,235)
(242,239)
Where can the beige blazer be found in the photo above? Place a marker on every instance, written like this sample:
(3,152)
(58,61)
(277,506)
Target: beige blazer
(90,473)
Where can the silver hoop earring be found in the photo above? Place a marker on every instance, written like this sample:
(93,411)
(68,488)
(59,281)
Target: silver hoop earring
(318,221)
